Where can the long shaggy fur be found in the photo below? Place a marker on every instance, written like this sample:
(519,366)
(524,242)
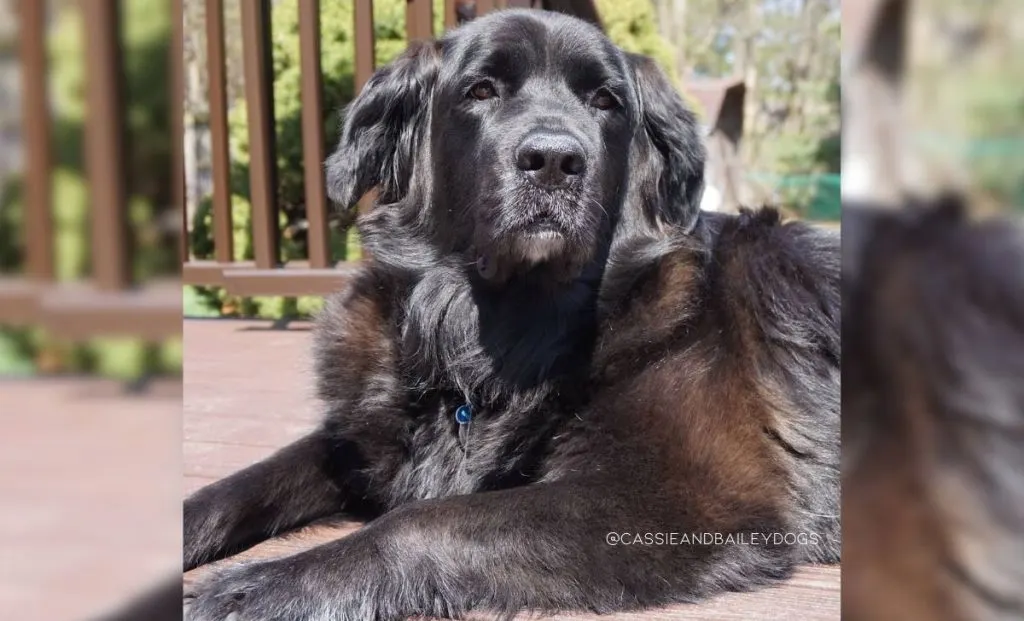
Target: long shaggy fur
(664,372)
(933,427)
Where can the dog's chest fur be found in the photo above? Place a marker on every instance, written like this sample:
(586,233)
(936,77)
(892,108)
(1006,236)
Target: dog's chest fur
(396,359)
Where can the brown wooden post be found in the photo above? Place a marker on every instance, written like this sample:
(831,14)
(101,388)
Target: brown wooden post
(38,151)
(419,19)
(365,59)
(223,237)
(365,62)
(177,121)
(104,145)
(483,7)
(875,161)
(260,104)
(451,18)
(313,133)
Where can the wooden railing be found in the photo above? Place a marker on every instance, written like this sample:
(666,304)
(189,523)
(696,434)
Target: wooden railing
(319,273)
(109,302)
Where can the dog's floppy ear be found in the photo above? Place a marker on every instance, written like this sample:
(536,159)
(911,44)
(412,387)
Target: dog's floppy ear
(383,127)
(672,129)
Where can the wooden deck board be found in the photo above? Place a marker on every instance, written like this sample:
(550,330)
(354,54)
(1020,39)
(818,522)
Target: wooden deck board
(248,391)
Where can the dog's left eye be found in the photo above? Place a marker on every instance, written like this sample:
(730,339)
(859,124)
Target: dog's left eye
(603,100)
(483,90)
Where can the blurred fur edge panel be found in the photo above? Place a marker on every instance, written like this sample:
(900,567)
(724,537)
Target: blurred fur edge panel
(933,312)
(90,310)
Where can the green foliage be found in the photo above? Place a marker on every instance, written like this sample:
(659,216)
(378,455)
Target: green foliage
(15,353)
(991,146)
(630,24)
(812,197)
(964,99)
(11,230)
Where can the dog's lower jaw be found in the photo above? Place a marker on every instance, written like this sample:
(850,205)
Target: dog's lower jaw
(522,254)
(540,247)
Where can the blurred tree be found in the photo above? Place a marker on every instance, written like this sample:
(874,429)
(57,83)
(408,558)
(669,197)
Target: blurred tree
(964,94)
(787,52)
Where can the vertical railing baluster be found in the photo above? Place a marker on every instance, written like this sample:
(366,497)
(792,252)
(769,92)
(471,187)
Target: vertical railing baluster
(313,134)
(365,61)
(419,19)
(260,106)
(365,55)
(177,121)
(483,7)
(451,17)
(39,260)
(104,145)
(223,238)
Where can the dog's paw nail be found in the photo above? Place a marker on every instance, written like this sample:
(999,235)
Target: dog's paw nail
(232,617)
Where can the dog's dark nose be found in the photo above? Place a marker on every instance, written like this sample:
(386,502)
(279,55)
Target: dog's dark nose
(551,158)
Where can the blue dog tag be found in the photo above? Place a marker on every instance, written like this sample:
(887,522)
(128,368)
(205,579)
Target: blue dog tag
(464,417)
(464,414)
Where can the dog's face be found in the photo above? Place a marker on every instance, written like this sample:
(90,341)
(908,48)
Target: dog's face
(530,122)
(524,139)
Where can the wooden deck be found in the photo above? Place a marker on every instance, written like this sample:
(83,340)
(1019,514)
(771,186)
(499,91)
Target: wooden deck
(248,391)
(90,481)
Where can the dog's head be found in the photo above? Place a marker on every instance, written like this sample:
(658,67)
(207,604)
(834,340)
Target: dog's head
(523,140)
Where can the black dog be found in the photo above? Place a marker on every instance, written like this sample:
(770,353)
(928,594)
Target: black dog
(550,352)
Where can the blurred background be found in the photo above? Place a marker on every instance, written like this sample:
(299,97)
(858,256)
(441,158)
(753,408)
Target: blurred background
(47,189)
(964,96)
(933,310)
(90,305)
(941,95)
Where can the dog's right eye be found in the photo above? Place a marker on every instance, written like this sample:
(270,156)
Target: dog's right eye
(483,90)
(603,100)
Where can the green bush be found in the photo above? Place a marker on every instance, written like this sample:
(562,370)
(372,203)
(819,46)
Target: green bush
(630,24)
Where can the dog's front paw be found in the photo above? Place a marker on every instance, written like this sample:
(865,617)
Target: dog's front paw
(266,591)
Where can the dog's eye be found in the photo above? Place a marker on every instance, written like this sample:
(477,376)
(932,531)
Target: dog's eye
(603,100)
(483,90)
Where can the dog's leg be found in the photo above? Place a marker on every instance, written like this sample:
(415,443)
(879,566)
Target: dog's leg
(542,547)
(289,489)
